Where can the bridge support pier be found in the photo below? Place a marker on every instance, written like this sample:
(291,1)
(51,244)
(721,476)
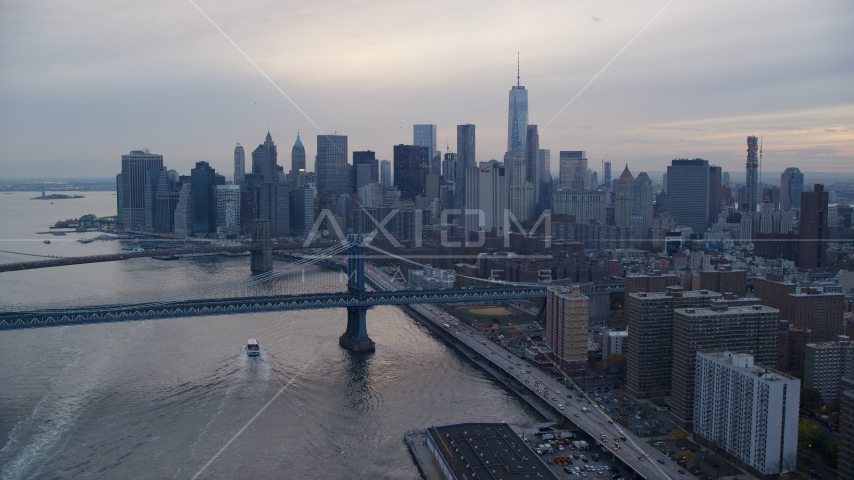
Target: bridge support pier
(356,338)
(262,247)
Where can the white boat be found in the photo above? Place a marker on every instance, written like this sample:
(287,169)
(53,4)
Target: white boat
(138,250)
(252,348)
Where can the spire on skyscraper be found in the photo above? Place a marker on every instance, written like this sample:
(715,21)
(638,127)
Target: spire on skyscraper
(518,83)
(627,175)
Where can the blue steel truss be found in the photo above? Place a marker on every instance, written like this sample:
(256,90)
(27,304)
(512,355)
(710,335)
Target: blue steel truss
(229,306)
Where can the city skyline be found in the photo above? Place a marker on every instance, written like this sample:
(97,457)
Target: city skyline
(662,98)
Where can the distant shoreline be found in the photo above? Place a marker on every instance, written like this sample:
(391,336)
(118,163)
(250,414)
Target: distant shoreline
(57,196)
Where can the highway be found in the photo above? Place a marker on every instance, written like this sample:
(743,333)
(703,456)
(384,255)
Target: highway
(634,452)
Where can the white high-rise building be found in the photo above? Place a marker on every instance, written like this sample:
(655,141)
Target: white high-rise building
(239,164)
(748,411)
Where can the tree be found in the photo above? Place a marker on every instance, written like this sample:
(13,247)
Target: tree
(678,435)
(811,399)
(616,362)
(807,433)
(687,456)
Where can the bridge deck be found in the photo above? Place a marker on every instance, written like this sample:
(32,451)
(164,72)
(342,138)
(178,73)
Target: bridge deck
(227,306)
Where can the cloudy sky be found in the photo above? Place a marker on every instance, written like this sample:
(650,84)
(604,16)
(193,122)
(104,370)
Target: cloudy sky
(83,82)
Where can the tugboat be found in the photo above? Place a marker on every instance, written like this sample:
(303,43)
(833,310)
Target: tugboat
(252,348)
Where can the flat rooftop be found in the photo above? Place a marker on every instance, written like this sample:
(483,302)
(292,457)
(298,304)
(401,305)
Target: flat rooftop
(725,310)
(736,361)
(488,451)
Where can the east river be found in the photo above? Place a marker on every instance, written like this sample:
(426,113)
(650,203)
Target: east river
(160,399)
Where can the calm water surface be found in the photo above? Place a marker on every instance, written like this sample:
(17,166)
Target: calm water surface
(158,399)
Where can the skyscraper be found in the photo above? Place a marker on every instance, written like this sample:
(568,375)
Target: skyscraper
(522,199)
(751,329)
(152,181)
(367,163)
(791,186)
(688,193)
(607,175)
(642,198)
(622,202)
(748,411)
(331,164)
(465,159)
(813,228)
(573,170)
(385,173)
(545,165)
(265,160)
(425,136)
(649,364)
(532,160)
(411,166)
(227,209)
(135,167)
(715,174)
(302,209)
(517,117)
(203,192)
(297,157)
(119,199)
(567,317)
(490,194)
(752,175)
(448,166)
(239,164)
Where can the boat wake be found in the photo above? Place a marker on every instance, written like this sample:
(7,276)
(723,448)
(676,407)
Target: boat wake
(248,380)
(47,428)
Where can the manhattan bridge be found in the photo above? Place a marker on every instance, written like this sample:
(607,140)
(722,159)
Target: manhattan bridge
(286,288)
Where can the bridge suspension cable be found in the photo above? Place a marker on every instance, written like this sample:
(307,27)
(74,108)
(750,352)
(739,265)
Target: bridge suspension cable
(244,284)
(258,279)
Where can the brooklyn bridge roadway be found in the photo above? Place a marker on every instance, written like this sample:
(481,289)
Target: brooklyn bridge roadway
(24,318)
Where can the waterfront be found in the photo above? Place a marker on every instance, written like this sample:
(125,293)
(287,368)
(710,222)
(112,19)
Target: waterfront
(159,399)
